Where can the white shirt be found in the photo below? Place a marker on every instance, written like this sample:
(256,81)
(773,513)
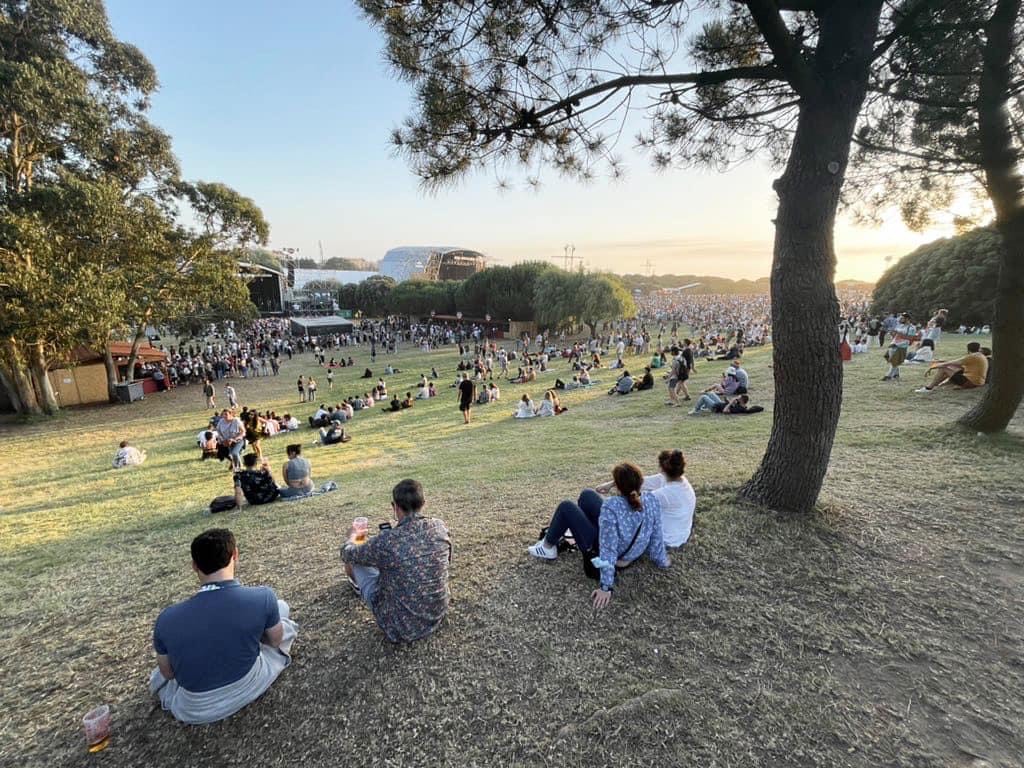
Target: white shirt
(525,410)
(678,502)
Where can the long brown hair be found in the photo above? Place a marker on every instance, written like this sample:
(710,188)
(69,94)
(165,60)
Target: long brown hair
(628,479)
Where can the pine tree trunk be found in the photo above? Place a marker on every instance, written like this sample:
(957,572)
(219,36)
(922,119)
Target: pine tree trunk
(1000,158)
(21,380)
(807,368)
(37,364)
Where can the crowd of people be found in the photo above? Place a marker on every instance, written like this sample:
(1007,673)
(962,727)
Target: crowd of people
(223,647)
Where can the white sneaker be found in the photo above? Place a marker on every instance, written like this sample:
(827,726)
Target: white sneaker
(543,551)
(924,390)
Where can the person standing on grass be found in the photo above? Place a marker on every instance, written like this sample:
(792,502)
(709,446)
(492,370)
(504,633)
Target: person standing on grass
(311,389)
(209,392)
(402,572)
(330,379)
(300,385)
(467,392)
(229,393)
(225,646)
(231,435)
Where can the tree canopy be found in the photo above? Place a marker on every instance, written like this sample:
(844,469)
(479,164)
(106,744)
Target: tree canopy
(99,235)
(958,274)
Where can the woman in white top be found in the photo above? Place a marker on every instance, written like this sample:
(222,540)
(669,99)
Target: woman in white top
(547,405)
(676,495)
(925,353)
(525,409)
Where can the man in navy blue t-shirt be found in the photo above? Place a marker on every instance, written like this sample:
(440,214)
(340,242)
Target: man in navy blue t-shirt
(225,645)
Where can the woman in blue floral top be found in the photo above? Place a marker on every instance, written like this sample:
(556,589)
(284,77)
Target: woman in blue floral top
(612,523)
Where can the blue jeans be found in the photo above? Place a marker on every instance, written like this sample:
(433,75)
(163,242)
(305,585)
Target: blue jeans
(707,402)
(366,578)
(287,492)
(581,517)
(235,452)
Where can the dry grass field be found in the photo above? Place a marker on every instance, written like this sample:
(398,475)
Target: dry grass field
(887,629)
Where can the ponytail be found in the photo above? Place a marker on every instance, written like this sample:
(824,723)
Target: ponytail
(628,480)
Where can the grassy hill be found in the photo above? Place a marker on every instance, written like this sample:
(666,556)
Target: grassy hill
(884,630)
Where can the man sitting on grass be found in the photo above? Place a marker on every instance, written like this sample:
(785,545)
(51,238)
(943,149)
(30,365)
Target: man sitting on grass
(968,372)
(402,573)
(223,647)
(334,434)
(623,386)
(255,484)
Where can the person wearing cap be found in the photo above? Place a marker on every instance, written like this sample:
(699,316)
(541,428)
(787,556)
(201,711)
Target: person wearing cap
(903,334)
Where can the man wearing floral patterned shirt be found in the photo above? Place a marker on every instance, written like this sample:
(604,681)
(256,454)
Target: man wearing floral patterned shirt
(402,573)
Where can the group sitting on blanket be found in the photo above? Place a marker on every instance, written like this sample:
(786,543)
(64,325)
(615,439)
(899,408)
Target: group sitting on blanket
(222,648)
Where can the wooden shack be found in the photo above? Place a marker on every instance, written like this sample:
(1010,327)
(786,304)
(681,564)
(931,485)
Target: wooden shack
(83,381)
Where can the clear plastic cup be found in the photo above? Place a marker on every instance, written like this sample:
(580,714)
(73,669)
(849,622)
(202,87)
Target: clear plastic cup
(97,728)
(360,526)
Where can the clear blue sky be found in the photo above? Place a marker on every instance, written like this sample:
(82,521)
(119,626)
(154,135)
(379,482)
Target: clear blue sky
(291,104)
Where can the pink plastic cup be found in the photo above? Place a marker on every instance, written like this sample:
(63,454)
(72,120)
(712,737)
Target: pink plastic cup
(97,728)
(360,526)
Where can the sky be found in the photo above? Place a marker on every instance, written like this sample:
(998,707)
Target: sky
(292,105)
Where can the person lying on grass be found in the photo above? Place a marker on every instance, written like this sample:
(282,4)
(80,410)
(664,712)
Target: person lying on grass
(710,402)
(402,573)
(969,372)
(222,648)
(613,532)
(673,490)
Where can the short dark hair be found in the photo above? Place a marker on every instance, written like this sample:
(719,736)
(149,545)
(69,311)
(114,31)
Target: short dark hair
(295,448)
(250,460)
(408,496)
(973,347)
(213,549)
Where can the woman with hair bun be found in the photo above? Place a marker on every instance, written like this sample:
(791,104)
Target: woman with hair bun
(621,528)
(675,493)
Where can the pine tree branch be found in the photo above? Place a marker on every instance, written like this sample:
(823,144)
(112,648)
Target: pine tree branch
(788,58)
(714,77)
(908,17)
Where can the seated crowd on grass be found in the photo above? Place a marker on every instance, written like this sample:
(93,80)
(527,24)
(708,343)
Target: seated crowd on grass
(222,648)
